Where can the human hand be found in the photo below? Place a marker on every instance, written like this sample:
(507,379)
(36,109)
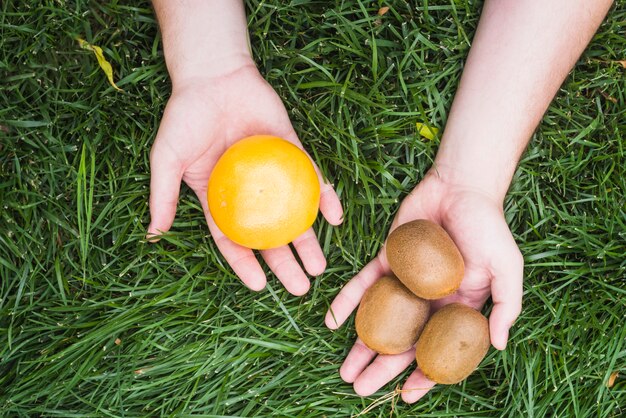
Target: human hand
(204,116)
(493,266)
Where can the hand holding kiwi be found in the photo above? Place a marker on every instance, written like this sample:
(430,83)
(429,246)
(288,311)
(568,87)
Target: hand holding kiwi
(393,312)
(493,266)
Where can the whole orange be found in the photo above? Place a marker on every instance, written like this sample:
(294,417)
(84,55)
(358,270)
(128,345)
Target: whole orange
(263,192)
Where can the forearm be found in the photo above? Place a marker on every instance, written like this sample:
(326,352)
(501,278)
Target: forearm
(521,53)
(202,38)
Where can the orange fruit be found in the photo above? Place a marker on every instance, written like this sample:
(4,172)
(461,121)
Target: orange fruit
(263,192)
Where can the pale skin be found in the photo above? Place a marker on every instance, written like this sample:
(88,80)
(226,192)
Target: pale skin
(521,53)
(219,97)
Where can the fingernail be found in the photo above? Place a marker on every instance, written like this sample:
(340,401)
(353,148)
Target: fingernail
(151,236)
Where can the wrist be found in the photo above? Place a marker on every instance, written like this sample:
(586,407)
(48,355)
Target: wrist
(203,71)
(448,182)
(490,177)
(203,38)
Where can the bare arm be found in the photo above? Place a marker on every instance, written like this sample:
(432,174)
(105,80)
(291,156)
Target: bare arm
(202,38)
(521,53)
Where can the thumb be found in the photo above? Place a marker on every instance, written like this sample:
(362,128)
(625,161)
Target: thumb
(506,292)
(165,177)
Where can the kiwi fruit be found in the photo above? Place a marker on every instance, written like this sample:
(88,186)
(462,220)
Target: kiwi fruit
(425,259)
(452,344)
(390,317)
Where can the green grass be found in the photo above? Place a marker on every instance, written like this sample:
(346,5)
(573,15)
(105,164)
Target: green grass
(76,274)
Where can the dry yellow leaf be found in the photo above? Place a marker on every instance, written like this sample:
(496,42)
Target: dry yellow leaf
(623,62)
(102,61)
(612,378)
(383,10)
(428,132)
(608,97)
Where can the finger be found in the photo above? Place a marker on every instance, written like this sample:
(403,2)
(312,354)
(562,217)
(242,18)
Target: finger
(241,259)
(474,291)
(506,292)
(282,262)
(165,177)
(382,370)
(350,296)
(357,360)
(416,386)
(310,252)
(330,205)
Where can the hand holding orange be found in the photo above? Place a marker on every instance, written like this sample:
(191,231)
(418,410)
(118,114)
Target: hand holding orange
(202,121)
(263,192)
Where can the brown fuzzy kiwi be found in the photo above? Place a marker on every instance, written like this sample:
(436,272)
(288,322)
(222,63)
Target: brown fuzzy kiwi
(425,259)
(452,344)
(390,317)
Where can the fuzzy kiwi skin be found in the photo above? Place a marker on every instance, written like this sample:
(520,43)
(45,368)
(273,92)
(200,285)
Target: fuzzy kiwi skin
(390,317)
(425,259)
(453,343)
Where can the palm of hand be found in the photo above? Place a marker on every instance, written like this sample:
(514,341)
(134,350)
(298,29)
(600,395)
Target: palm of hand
(493,265)
(201,120)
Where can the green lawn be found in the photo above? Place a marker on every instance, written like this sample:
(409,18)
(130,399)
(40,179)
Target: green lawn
(94,321)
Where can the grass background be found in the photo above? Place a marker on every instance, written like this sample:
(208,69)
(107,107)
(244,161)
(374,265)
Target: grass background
(96,322)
